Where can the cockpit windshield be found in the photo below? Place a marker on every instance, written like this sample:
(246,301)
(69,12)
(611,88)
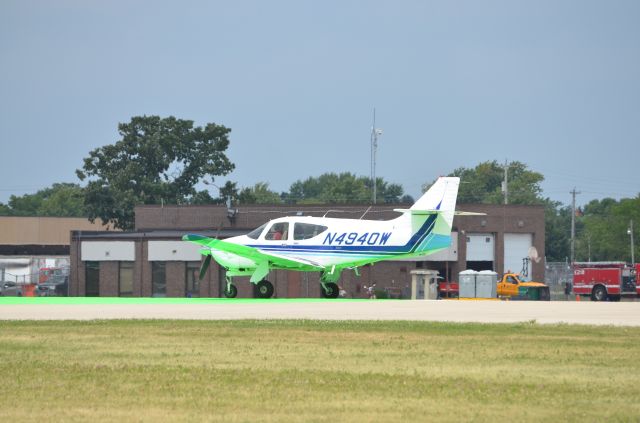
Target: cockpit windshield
(254,234)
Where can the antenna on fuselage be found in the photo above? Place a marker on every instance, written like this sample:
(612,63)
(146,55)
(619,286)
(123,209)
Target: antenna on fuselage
(329,211)
(365,212)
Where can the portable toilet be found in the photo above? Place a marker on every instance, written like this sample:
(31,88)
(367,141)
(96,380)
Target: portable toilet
(467,284)
(486,284)
(424,284)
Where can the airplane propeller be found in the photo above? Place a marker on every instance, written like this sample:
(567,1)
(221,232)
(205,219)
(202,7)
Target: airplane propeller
(205,267)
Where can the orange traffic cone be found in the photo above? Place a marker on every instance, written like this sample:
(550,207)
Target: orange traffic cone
(578,298)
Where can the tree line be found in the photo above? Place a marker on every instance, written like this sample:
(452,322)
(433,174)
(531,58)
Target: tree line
(163,160)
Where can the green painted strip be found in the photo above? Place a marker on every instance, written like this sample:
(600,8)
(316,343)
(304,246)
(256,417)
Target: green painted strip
(7,301)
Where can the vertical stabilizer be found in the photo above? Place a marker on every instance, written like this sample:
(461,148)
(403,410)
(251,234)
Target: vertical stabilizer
(441,196)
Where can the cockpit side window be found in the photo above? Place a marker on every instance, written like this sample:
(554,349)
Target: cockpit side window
(255,234)
(278,231)
(307,230)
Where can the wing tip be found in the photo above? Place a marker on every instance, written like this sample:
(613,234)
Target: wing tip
(193,237)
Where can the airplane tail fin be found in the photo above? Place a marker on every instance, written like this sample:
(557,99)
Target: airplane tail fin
(431,217)
(441,196)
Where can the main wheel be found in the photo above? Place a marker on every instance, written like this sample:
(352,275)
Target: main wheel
(330,290)
(264,289)
(231,291)
(599,293)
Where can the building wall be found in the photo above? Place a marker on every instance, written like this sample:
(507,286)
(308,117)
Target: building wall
(43,230)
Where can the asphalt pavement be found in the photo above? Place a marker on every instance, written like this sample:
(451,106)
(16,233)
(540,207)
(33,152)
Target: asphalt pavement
(584,312)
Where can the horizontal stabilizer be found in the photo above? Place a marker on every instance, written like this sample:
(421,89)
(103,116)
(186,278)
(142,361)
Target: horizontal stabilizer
(429,212)
(417,212)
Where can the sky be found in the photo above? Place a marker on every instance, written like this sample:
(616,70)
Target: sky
(551,83)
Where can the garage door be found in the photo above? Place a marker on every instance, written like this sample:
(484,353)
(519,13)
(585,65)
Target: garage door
(516,247)
(480,247)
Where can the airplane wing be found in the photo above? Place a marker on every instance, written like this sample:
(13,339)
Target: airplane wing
(299,260)
(252,253)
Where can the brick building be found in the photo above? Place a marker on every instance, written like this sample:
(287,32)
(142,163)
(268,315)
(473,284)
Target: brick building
(152,261)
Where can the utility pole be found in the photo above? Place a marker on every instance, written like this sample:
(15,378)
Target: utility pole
(573,224)
(630,232)
(505,187)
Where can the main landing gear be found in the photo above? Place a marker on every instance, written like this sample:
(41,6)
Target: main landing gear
(330,290)
(328,280)
(264,289)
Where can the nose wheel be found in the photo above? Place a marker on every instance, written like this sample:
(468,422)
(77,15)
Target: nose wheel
(231,291)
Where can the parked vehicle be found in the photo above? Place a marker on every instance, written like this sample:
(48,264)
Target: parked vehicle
(605,280)
(11,289)
(52,289)
(447,289)
(512,287)
(52,274)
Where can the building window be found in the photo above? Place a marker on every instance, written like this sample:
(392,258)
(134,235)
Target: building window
(92,279)
(192,279)
(126,279)
(158,279)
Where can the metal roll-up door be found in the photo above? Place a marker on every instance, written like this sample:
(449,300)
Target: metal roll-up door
(480,251)
(516,248)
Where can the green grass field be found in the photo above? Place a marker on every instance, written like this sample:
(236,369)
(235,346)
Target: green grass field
(246,371)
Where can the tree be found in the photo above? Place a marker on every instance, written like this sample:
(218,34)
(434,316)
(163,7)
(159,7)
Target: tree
(61,200)
(258,194)
(483,184)
(557,223)
(386,192)
(343,188)
(156,160)
(603,233)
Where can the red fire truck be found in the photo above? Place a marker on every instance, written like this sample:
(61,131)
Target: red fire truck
(605,280)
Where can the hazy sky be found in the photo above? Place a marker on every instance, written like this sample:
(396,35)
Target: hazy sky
(554,84)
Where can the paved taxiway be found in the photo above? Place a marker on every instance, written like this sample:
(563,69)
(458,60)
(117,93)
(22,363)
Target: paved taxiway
(585,312)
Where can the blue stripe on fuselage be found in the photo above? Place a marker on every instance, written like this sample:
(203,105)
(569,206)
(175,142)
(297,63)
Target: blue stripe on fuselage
(409,247)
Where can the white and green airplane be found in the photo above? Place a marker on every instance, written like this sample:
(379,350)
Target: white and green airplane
(330,245)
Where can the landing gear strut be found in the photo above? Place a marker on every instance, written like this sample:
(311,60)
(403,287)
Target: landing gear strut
(328,280)
(264,289)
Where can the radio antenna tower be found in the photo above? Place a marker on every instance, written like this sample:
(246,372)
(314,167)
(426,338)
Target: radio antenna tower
(375,133)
